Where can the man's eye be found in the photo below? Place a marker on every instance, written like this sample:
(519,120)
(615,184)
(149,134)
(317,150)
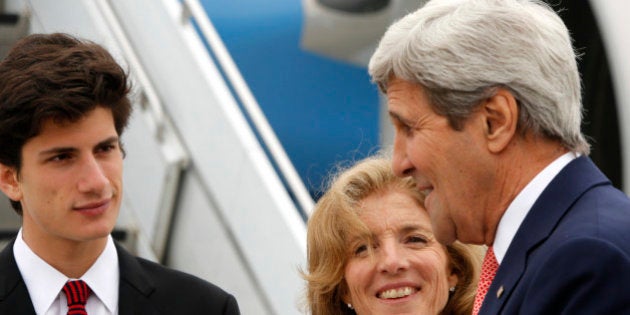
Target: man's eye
(60,157)
(107,148)
(404,128)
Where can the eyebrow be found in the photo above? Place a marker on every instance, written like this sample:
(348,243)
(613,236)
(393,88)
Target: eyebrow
(412,227)
(397,117)
(409,228)
(58,150)
(110,140)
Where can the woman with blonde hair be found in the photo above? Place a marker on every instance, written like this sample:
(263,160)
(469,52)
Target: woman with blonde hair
(371,250)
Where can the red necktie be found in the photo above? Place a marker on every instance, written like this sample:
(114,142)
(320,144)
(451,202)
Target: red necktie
(488,270)
(77,293)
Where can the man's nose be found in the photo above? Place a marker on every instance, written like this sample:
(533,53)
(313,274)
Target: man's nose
(92,177)
(401,165)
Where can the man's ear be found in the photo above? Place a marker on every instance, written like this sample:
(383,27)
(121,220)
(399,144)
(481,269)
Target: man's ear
(501,117)
(9,183)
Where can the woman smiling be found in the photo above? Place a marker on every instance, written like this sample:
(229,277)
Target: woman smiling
(371,250)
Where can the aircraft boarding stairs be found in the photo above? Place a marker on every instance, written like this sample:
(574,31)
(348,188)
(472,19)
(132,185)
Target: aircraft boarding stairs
(208,188)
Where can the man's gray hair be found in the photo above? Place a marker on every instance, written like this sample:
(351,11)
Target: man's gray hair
(461,51)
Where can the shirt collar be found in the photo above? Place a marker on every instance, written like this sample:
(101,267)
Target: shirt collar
(520,206)
(44,283)
(42,280)
(103,277)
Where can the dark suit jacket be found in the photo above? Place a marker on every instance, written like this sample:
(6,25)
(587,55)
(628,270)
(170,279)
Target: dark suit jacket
(145,288)
(571,254)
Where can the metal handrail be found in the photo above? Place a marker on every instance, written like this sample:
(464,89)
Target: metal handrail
(287,170)
(171,145)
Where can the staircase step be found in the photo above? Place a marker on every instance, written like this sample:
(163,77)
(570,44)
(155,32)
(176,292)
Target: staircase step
(10,19)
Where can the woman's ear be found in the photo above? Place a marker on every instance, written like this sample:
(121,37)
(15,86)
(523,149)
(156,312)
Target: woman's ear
(9,183)
(344,293)
(453,278)
(501,117)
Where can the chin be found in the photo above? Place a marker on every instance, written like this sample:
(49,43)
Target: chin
(98,232)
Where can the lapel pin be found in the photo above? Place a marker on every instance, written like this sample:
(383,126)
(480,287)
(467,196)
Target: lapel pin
(500,292)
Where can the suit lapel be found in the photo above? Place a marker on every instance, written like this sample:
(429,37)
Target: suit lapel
(14,297)
(554,202)
(134,293)
(135,286)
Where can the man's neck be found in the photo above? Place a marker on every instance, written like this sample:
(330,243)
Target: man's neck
(72,258)
(515,169)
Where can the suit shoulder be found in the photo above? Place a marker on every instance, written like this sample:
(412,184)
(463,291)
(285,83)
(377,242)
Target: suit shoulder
(591,247)
(602,212)
(149,285)
(168,278)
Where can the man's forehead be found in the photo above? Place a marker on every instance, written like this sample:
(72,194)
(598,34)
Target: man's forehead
(402,109)
(100,121)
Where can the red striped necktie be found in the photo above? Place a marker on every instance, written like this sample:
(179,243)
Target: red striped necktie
(77,293)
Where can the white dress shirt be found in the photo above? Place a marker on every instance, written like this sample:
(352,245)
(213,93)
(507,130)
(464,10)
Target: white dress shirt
(520,206)
(44,283)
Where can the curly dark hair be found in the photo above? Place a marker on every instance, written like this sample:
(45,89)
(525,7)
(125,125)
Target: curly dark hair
(59,77)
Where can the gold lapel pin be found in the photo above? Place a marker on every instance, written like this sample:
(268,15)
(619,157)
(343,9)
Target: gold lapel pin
(499,292)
